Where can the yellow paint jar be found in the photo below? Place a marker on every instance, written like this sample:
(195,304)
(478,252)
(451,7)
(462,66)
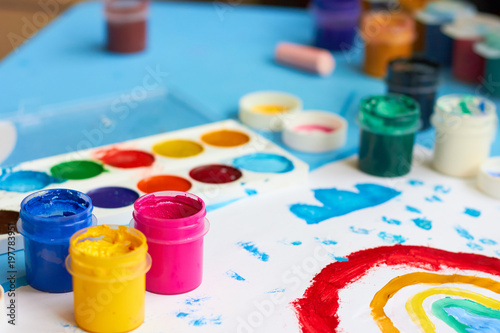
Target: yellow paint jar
(387,37)
(108,265)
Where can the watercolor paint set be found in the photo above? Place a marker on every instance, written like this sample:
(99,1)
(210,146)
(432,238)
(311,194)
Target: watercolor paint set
(219,162)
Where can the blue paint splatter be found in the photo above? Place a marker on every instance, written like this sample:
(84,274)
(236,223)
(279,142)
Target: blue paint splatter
(202,321)
(497,252)
(464,233)
(414,182)
(250,191)
(339,202)
(434,198)
(182,315)
(195,300)
(391,221)
(296,243)
(494,174)
(253,250)
(423,223)
(475,246)
(472,212)
(391,239)
(413,209)
(340,259)
(487,241)
(25,181)
(277,290)
(360,231)
(326,241)
(234,275)
(475,323)
(264,163)
(441,189)
(213,207)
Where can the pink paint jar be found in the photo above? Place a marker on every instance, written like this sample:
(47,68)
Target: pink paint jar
(174,224)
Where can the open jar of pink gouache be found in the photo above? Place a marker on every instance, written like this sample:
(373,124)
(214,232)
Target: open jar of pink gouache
(174,224)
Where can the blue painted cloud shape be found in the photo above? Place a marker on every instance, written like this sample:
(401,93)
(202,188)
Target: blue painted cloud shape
(341,202)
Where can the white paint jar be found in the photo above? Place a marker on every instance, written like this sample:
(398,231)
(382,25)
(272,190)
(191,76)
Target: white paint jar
(466,126)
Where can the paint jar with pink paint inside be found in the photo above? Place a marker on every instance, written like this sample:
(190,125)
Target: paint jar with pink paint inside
(174,224)
(126,25)
(466,126)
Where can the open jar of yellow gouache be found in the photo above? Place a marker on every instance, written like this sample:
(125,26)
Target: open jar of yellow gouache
(108,265)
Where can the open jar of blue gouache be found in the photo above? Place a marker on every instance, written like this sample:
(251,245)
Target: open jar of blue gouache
(47,221)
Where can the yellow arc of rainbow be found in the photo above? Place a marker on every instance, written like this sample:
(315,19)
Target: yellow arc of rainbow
(381,298)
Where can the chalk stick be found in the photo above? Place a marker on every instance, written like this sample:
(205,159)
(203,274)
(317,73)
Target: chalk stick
(306,58)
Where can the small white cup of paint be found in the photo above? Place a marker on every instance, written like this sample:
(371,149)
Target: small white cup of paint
(488,179)
(315,131)
(466,126)
(268,110)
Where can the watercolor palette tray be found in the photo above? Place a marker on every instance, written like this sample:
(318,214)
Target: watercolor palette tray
(219,162)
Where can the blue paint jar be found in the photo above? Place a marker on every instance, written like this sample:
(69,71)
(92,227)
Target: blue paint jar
(438,47)
(47,221)
(336,23)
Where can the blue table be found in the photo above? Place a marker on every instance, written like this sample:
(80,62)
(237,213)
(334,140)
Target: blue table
(207,57)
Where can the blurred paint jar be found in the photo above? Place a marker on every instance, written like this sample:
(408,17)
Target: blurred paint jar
(47,221)
(417,78)
(387,37)
(388,126)
(465,129)
(438,46)
(126,25)
(387,5)
(490,50)
(109,265)
(336,23)
(174,224)
(467,65)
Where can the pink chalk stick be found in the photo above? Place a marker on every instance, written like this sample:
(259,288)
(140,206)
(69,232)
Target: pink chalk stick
(307,58)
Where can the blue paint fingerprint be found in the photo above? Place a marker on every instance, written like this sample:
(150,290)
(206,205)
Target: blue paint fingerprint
(413,209)
(475,246)
(472,212)
(340,259)
(182,315)
(234,275)
(475,323)
(360,231)
(250,192)
(339,202)
(414,182)
(391,239)
(202,321)
(391,221)
(434,198)
(277,290)
(25,181)
(253,250)
(264,163)
(423,223)
(296,243)
(464,233)
(326,241)
(442,189)
(487,241)
(196,300)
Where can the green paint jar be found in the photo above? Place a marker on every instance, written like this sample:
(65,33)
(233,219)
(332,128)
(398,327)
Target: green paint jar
(388,126)
(489,49)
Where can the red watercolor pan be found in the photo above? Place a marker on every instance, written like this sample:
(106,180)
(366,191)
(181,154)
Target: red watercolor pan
(126,159)
(215,174)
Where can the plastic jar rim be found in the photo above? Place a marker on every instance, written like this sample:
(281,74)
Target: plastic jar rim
(160,222)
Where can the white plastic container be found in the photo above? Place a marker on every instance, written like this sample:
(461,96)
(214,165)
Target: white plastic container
(315,131)
(488,179)
(465,129)
(268,121)
(8,138)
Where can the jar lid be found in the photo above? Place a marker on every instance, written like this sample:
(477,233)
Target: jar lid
(380,27)
(413,73)
(488,179)
(464,113)
(390,114)
(441,12)
(473,27)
